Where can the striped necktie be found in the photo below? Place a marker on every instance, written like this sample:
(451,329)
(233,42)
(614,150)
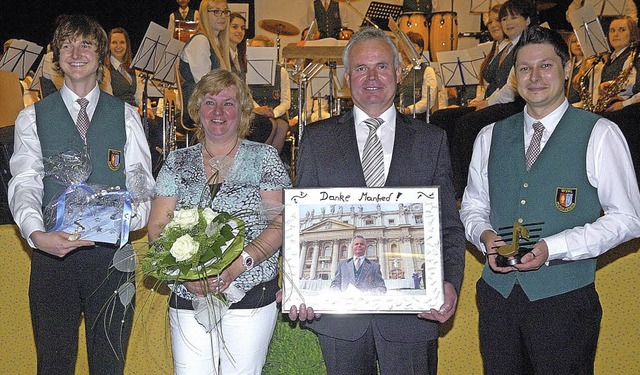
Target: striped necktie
(373,156)
(83,118)
(534,147)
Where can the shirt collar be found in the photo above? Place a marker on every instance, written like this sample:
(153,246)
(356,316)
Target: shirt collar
(389,117)
(69,97)
(115,62)
(550,121)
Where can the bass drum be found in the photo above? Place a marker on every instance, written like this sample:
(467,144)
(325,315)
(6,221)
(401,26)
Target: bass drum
(444,33)
(415,22)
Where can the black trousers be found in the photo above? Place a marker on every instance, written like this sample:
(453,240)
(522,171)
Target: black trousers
(555,335)
(61,291)
(372,351)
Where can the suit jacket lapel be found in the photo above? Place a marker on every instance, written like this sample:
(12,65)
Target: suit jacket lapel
(402,152)
(345,139)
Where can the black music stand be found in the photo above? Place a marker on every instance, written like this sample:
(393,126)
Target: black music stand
(148,59)
(378,15)
(19,57)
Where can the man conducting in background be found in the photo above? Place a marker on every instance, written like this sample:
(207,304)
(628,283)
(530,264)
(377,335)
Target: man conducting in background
(542,314)
(374,146)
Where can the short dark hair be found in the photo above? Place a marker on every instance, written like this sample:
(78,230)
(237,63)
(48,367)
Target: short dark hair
(524,8)
(70,27)
(542,35)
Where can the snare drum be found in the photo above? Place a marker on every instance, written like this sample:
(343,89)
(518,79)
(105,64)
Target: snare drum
(444,33)
(415,22)
(345,34)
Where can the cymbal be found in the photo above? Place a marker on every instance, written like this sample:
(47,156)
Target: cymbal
(279,27)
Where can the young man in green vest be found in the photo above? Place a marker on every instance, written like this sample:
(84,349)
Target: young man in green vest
(542,314)
(71,277)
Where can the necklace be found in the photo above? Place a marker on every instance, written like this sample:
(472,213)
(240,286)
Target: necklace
(220,165)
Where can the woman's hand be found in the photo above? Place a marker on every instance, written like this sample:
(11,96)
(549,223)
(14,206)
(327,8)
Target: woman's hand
(214,284)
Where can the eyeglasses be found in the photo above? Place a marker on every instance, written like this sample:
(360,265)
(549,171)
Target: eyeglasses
(219,12)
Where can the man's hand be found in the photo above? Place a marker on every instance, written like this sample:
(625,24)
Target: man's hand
(447,309)
(491,243)
(305,313)
(57,243)
(535,258)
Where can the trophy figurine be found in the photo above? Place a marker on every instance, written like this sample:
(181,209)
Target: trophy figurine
(510,254)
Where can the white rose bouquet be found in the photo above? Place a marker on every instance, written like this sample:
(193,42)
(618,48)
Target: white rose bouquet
(197,243)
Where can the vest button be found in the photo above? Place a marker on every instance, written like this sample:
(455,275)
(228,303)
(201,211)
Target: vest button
(525,185)
(523,202)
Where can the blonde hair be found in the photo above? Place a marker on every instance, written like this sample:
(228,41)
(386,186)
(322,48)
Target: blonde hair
(220,43)
(213,83)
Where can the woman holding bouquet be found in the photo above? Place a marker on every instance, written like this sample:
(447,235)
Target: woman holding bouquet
(246,180)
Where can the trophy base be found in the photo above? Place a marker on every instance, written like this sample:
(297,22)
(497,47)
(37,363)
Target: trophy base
(502,261)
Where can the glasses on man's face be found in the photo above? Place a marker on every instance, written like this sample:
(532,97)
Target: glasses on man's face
(219,12)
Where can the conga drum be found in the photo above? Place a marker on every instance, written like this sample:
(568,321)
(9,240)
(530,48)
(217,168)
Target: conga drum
(183,30)
(416,22)
(444,33)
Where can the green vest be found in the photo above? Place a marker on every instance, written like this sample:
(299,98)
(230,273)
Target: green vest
(106,137)
(556,191)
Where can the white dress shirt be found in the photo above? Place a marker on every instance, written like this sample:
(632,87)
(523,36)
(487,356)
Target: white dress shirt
(285,95)
(26,187)
(197,54)
(386,132)
(172,18)
(609,169)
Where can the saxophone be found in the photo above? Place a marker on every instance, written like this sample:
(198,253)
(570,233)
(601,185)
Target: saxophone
(585,93)
(617,85)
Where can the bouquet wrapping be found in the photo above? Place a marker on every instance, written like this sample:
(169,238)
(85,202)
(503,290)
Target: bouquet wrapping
(89,211)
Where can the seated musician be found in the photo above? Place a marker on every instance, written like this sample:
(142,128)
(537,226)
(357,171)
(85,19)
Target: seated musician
(332,17)
(272,101)
(183,13)
(419,82)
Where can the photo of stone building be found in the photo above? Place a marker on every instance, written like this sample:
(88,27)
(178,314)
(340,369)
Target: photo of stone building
(394,234)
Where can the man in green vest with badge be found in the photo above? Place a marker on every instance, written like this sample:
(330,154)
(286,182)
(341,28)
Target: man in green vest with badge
(71,277)
(546,174)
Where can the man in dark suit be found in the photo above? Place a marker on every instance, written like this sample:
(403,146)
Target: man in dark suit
(332,154)
(359,271)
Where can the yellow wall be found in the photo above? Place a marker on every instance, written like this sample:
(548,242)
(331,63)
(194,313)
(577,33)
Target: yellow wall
(149,350)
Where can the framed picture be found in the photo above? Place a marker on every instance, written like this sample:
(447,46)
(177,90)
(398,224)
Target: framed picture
(362,250)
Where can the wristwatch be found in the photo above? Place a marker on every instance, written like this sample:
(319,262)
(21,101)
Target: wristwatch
(247,261)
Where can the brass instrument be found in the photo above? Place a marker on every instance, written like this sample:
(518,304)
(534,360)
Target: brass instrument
(585,92)
(617,85)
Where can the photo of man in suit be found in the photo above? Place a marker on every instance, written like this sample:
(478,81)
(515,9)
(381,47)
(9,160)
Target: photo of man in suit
(338,152)
(359,271)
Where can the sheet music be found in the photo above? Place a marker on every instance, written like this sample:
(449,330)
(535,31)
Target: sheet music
(20,57)
(478,53)
(607,7)
(589,31)
(261,65)
(319,84)
(166,71)
(456,68)
(151,51)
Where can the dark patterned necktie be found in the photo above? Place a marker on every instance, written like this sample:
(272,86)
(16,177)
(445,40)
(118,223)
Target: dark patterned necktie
(373,156)
(83,118)
(358,263)
(534,147)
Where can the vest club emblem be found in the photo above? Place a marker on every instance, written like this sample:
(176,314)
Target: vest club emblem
(566,199)
(114,159)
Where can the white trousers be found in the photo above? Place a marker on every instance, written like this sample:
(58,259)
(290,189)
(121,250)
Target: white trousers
(239,346)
